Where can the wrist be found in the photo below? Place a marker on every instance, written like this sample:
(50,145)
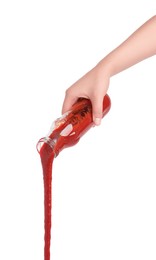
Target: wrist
(106,67)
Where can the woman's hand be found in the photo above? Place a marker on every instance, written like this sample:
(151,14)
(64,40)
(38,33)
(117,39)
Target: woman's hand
(93,86)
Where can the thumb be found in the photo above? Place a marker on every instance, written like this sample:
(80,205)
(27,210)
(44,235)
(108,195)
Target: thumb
(97,107)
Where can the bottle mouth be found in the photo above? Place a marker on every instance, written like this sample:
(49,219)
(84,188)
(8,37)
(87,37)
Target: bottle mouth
(45,140)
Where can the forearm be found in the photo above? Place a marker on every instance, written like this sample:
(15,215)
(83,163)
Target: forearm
(139,46)
(94,84)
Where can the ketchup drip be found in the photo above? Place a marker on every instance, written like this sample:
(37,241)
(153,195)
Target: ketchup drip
(47,157)
(65,132)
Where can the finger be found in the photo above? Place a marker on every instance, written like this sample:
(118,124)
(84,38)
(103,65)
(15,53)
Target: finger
(68,102)
(97,105)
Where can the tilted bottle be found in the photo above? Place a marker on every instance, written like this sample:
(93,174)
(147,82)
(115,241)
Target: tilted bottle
(69,128)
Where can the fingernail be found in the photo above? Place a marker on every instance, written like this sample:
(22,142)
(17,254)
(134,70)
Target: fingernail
(97,121)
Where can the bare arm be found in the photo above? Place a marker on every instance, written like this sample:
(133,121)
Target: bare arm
(94,85)
(139,46)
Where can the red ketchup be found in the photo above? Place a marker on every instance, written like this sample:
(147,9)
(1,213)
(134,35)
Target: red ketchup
(65,132)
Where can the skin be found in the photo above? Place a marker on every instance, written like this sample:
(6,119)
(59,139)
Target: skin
(94,84)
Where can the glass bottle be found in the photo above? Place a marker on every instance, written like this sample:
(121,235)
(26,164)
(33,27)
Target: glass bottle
(67,130)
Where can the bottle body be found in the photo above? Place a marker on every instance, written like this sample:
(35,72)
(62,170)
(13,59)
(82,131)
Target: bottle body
(68,129)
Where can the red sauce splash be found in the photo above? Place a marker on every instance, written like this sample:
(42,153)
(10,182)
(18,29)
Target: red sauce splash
(66,131)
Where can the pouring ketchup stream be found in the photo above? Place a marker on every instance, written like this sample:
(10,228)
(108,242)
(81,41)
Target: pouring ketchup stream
(66,131)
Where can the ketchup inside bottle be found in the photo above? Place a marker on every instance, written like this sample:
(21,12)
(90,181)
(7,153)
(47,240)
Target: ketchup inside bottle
(65,132)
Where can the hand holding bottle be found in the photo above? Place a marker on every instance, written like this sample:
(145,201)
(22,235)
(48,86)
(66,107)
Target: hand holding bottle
(68,129)
(94,85)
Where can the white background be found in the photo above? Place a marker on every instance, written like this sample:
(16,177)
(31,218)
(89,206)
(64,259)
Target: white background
(104,188)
